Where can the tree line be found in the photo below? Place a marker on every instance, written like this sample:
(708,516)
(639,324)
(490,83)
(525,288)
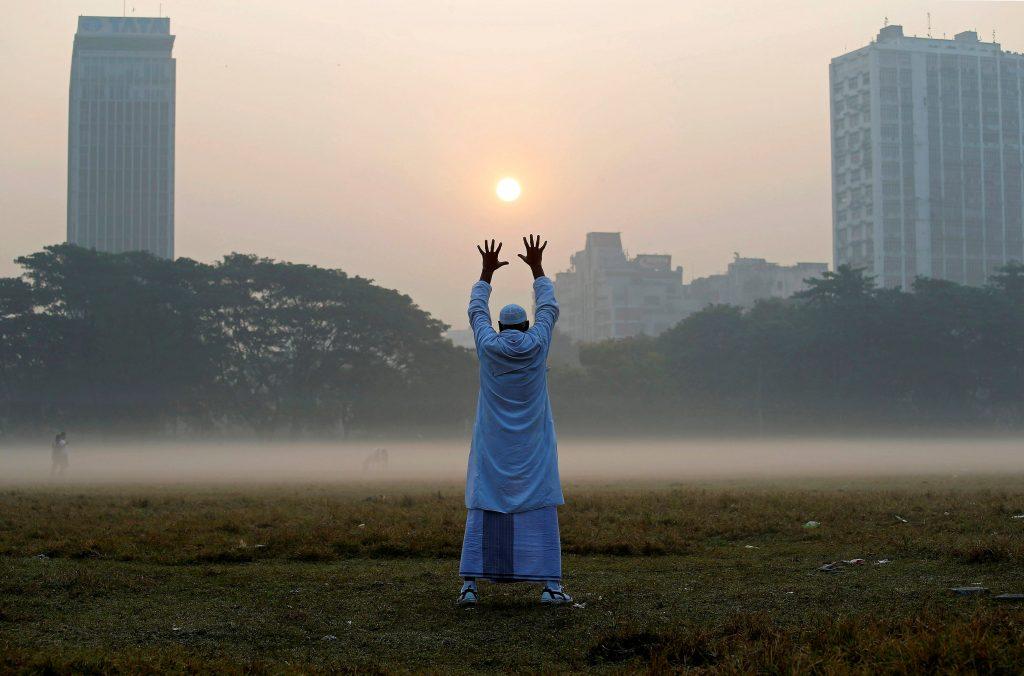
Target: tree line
(137,344)
(843,355)
(134,344)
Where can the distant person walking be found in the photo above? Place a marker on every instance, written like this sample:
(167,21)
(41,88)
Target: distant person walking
(512,485)
(59,454)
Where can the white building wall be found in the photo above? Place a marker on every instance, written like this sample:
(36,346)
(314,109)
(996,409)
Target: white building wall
(946,154)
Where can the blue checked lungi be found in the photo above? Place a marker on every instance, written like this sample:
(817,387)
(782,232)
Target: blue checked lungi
(520,547)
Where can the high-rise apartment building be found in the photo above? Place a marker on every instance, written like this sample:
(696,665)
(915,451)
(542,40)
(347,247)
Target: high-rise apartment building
(121,136)
(926,158)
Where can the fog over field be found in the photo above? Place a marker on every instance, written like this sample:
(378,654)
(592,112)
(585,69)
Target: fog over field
(581,460)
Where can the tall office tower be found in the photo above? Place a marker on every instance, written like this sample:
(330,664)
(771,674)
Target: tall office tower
(926,158)
(121,136)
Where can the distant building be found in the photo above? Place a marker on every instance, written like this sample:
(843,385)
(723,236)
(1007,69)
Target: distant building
(605,295)
(748,280)
(926,158)
(121,136)
(461,338)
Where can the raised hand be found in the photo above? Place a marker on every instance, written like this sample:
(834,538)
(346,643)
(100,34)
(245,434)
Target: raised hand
(534,255)
(490,261)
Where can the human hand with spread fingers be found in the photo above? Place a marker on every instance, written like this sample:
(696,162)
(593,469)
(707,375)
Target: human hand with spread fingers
(534,255)
(489,262)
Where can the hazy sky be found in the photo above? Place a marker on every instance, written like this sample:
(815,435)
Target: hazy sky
(369,135)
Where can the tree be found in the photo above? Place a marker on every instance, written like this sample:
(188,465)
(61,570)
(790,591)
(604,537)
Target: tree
(130,342)
(704,361)
(314,349)
(18,353)
(119,331)
(1009,281)
(847,287)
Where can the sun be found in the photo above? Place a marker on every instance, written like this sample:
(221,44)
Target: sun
(508,189)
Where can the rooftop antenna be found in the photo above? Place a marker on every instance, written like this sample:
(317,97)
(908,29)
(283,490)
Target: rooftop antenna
(124,7)
(885,21)
(929,24)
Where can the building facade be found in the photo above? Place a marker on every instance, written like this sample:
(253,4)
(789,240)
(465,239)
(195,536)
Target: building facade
(926,158)
(748,280)
(605,294)
(121,136)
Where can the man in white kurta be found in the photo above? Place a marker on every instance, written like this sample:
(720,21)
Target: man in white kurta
(512,484)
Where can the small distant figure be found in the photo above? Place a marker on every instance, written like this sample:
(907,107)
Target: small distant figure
(376,460)
(59,454)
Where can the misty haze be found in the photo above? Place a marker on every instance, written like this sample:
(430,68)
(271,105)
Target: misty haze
(441,463)
(540,337)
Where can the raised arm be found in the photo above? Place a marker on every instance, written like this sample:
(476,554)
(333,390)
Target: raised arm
(547,308)
(479,311)
(543,289)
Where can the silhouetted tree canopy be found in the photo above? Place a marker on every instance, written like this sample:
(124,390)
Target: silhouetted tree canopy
(133,343)
(841,355)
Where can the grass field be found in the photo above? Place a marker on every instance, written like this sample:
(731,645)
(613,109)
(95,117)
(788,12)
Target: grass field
(716,576)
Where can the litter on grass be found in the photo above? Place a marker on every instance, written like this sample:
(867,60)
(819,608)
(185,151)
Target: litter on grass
(1010,597)
(900,518)
(812,524)
(969,591)
(836,566)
